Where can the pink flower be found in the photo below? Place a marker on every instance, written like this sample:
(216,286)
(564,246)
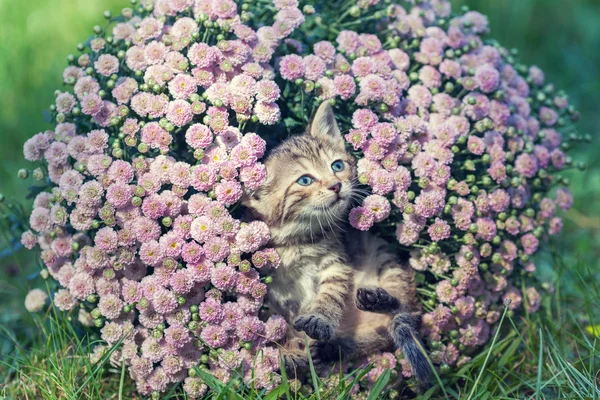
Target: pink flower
(379,205)
(249,328)
(203,177)
(345,86)
(228,192)
(211,311)
(487,78)
(252,236)
(179,112)
(267,113)
(440,230)
(107,65)
(199,136)
(291,67)
(224,277)
(362,218)
(215,336)
(314,67)
(182,86)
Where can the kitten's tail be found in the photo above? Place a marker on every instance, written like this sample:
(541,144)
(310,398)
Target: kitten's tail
(405,336)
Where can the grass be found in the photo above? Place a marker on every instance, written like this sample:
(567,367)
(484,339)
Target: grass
(548,355)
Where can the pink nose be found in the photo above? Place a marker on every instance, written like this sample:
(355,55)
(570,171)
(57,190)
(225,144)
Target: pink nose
(336,187)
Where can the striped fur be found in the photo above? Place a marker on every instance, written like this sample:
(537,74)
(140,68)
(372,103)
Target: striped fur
(340,287)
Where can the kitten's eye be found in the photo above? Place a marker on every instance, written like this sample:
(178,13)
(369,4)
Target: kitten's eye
(337,166)
(305,180)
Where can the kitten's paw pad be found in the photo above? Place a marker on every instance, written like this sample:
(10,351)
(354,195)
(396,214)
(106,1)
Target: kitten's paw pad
(316,326)
(376,300)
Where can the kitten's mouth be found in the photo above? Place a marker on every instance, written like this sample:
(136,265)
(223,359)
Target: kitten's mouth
(338,200)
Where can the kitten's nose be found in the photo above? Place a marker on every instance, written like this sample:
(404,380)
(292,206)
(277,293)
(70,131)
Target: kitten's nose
(336,187)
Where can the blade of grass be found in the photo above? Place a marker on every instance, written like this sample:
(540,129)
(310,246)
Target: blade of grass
(487,355)
(379,385)
(540,360)
(313,373)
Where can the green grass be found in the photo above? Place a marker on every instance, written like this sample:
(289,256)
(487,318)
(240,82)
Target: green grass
(548,355)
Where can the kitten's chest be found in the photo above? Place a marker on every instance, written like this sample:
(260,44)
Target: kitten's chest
(295,282)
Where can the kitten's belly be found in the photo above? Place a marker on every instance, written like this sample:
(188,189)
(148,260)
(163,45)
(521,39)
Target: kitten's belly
(291,292)
(353,317)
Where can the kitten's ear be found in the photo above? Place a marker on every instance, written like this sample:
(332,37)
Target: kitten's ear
(324,125)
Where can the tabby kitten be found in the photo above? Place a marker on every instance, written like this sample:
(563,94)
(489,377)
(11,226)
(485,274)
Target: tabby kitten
(339,286)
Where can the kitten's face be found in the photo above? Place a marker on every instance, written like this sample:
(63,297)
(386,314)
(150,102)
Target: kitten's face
(310,179)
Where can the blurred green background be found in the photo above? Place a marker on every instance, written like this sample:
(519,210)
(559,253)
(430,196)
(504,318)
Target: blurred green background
(560,36)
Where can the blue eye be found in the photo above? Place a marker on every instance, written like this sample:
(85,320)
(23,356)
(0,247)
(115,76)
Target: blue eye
(305,180)
(337,166)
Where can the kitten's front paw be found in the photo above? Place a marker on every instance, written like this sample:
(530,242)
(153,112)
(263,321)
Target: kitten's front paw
(376,300)
(315,325)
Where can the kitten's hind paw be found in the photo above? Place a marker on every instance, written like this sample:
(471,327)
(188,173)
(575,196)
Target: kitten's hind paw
(316,326)
(376,300)
(331,351)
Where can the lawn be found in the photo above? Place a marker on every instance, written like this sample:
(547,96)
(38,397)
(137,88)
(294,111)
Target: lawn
(553,354)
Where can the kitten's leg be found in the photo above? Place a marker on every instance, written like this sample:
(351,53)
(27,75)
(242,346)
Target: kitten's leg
(326,310)
(396,288)
(295,357)
(376,299)
(397,282)
(365,341)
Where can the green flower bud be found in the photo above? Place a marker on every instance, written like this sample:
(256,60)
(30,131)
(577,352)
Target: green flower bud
(473,228)
(496,258)
(23,174)
(245,266)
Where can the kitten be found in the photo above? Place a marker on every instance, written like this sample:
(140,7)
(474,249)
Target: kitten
(339,286)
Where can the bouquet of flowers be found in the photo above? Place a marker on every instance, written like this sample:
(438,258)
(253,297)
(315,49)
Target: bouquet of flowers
(167,113)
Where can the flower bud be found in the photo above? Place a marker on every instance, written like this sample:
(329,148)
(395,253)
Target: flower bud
(23,174)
